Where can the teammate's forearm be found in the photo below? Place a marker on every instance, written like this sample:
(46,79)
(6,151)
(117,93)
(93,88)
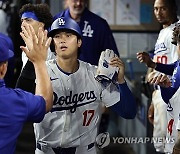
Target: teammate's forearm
(126,107)
(43,84)
(165,68)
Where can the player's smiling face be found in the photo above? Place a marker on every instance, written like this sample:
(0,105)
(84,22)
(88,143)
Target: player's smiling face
(66,44)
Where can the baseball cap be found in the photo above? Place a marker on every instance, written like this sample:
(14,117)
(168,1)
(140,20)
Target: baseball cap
(5,52)
(64,23)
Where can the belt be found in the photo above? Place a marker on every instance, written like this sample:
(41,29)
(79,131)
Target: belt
(59,150)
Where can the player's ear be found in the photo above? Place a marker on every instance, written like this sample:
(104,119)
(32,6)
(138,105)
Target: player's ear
(79,42)
(3,69)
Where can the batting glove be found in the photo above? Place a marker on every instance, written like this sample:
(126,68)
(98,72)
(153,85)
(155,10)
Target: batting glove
(106,73)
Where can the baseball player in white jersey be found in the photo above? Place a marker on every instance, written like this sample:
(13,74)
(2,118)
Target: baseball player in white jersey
(165,52)
(71,126)
(170,95)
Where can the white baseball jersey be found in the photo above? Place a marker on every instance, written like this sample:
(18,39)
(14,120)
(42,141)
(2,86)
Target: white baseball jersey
(165,52)
(76,112)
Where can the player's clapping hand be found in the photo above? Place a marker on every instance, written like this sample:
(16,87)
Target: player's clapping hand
(144,57)
(160,79)
(36,45)
(117,62)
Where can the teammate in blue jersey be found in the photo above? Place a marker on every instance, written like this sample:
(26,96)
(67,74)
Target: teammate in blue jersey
(16,105)
(96,33)
(71,126)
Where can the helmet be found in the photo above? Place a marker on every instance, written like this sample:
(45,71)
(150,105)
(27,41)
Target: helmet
(64,23)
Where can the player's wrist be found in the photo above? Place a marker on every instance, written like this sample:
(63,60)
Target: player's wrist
(152,65)
(39,65)
(121,81)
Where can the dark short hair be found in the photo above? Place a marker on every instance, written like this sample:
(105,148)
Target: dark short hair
(42,12)
(172,4)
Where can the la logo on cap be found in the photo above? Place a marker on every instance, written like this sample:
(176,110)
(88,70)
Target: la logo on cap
(61,21)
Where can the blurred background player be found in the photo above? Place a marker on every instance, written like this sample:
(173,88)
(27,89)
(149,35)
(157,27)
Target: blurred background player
(96,32)
(165,52)
(96,37)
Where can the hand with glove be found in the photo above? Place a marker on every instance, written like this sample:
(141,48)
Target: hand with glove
(110,68)
(176,34)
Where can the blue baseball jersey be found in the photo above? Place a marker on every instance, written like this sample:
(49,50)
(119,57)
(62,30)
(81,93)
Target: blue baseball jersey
(16,107)
(96,36)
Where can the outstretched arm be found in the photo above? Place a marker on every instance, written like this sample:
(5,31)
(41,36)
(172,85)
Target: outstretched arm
(36,50)
(144,57)
(165,68)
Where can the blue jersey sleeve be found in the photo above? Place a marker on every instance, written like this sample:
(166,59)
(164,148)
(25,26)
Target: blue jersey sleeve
(166,68)
(36,106)
(126,107)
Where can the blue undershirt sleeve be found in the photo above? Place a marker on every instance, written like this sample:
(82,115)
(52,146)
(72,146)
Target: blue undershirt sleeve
(165,68)
(126,107)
